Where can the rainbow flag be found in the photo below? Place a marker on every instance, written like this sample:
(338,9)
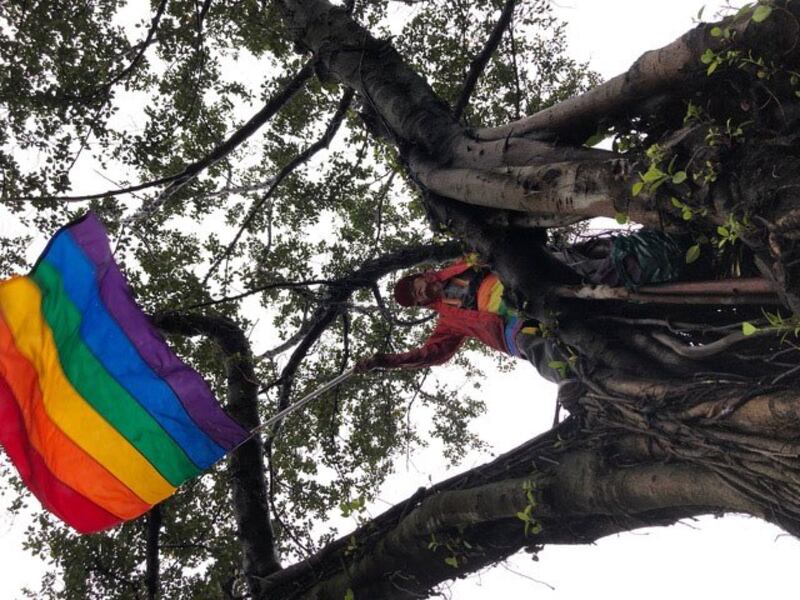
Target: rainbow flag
(99,416)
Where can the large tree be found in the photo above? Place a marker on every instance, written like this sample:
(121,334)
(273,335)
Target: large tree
(371,150)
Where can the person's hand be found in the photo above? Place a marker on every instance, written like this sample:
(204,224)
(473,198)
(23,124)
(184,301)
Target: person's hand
(367,364)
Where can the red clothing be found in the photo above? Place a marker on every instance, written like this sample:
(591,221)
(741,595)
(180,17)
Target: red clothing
(453,327)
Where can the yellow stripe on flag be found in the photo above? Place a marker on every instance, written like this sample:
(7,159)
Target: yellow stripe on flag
(20,302)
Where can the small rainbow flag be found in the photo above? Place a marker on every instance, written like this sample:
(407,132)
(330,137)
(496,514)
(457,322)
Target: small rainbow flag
(99,416)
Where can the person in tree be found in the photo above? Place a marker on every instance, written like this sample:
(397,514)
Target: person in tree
(472,303)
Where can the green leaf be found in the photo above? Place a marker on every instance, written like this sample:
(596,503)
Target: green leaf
(748,328)
(349,595)
(692,254)
(523,516)
(452,561)
(708,56)
(679,177)
(761,13)
(637,188)
(716,32)
(723,231)
(621,218)
(653,174)
(687,213)
(712,67)
(676,203)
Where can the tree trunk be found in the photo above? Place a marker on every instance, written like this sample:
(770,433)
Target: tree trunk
(635,453)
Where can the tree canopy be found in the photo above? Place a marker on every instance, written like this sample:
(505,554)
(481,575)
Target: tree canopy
(268,169)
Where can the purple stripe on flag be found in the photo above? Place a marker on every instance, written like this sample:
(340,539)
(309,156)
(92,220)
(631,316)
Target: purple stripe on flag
(188,385)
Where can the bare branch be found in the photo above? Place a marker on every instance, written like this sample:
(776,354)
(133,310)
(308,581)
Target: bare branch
(292,341)
(710,349)
(262,288)
(139,49)
(675,67)
(651,295)
(479,63)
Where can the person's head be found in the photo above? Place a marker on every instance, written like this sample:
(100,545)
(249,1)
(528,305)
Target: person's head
(418,290)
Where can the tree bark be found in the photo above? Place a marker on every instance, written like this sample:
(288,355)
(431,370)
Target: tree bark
(582,487)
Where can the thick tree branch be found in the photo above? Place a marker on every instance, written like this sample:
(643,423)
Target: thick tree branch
(405,103)
(577,499)
(673,68)
(557,193)
(442,157)
(152,553)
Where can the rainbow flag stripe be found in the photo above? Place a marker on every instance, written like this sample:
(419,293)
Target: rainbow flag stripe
(490,299)
(99,416)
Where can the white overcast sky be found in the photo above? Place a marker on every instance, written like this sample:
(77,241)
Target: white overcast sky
(735,558)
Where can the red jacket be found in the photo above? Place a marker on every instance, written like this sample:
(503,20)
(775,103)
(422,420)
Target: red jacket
(453,327)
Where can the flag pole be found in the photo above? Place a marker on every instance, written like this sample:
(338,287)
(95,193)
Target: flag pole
(304,400)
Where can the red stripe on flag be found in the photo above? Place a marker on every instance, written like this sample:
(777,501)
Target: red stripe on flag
(74,509)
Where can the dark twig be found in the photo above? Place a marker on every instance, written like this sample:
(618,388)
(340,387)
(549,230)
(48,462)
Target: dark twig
(140,50)
(517,86)
(177,181)
(382,194)
(291,341)
(278,101)
(288,285)
(342,366)
(302,158)
(151,575)
(479,63)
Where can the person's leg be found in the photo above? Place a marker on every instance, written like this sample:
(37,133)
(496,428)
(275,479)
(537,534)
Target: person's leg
(541,352)
(544,351)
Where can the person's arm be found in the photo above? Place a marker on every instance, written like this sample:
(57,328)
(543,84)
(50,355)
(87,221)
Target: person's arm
(439,348)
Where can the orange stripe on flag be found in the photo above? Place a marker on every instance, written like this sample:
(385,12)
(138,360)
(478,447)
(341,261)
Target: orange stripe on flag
(20,304)
(66,461)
